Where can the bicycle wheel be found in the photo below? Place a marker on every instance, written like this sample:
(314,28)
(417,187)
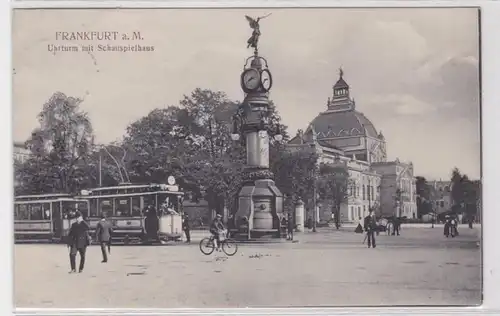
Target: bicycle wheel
(230,247)
(207,246)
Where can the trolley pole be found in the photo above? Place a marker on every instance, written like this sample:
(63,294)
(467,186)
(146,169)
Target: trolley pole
(100,167)
(314,206)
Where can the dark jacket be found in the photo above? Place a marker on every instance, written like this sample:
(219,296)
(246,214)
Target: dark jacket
(103,231)
(78,236)
(185,224)
(369,223)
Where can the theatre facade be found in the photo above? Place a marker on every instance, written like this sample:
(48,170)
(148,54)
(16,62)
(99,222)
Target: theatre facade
(342,135)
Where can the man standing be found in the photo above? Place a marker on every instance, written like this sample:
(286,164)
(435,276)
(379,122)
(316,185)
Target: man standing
(290,227)
(370,226)
(186,228)
(103,233)
(397,225)
(78,240)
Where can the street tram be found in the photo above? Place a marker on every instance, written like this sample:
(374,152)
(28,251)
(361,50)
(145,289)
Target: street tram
(45,217)
(125,206)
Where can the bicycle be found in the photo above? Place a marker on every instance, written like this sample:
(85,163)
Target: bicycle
(228,245)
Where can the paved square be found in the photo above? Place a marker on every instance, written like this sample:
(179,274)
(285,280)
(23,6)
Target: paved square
(328,268)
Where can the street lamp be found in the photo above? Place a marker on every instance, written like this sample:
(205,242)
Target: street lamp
(235,135)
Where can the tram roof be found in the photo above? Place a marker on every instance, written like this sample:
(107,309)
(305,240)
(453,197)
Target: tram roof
(124,187)
(44,196)
(146,187)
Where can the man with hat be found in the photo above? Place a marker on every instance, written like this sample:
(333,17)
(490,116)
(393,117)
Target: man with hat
(186,228)
(216,227)
(103,233)
(78,240)
(370,226)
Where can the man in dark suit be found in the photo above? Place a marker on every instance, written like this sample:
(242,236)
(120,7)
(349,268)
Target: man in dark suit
(290,226)
(103,233)
(78,240)
(370,226)
(186,228)
(397,224)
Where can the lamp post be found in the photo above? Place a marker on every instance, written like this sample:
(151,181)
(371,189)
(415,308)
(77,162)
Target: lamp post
(314,200)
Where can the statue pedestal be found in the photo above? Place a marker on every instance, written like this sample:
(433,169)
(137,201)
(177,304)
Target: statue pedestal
(261,203)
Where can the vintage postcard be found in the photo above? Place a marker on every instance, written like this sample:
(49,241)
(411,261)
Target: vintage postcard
(175,158)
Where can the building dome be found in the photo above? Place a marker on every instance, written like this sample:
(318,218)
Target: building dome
(335,124)
(341,118)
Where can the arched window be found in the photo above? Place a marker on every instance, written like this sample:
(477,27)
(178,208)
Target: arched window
(364,192)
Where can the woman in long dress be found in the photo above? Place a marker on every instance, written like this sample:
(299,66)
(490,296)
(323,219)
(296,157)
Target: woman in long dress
(359,228)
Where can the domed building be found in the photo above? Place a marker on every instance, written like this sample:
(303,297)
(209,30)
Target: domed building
(343,135)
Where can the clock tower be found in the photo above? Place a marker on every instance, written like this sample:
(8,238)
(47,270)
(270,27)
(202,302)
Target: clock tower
(260,202)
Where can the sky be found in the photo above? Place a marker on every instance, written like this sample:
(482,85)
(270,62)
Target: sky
(413,72)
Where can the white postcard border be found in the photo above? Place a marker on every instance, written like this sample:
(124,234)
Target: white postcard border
(490,65)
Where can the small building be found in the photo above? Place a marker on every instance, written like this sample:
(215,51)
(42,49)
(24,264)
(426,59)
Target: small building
(21,152)
(441,196)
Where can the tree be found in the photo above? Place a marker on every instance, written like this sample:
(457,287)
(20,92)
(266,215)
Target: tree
(294,174)
(333,186)
(192,142)
(60,146)
(424,197)
(465,193)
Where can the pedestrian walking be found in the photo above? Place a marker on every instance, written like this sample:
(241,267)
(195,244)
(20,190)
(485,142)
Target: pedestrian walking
(397,226)
(290,227)
(78,241)
(186,228)
(447,225)
(103,233)
(370,226)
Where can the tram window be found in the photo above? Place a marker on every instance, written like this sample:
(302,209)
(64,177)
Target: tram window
(107,207)
(168,202)
(150,200)
(94,208)
(68,209)
(122,206)
(136,206)
(83,207)
(22,212)
(36,212)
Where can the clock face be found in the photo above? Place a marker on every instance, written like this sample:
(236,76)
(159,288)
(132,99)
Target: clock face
(266,80)
(250,79)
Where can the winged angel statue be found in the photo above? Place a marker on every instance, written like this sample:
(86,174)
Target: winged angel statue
(254,24)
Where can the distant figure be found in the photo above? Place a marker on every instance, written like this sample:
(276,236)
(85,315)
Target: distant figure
(216,228)
(471,220)
(186,228)
(359,228)
(397,225)
(151,223)
(231,225)
(103,233)
(447,224)
(454,227)
(290,227)
(309,223)
(370,226)
(78,241)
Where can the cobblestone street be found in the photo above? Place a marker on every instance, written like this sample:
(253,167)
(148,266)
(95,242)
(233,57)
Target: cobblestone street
(328,268)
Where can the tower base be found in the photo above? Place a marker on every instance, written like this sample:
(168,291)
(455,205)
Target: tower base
(260,208)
